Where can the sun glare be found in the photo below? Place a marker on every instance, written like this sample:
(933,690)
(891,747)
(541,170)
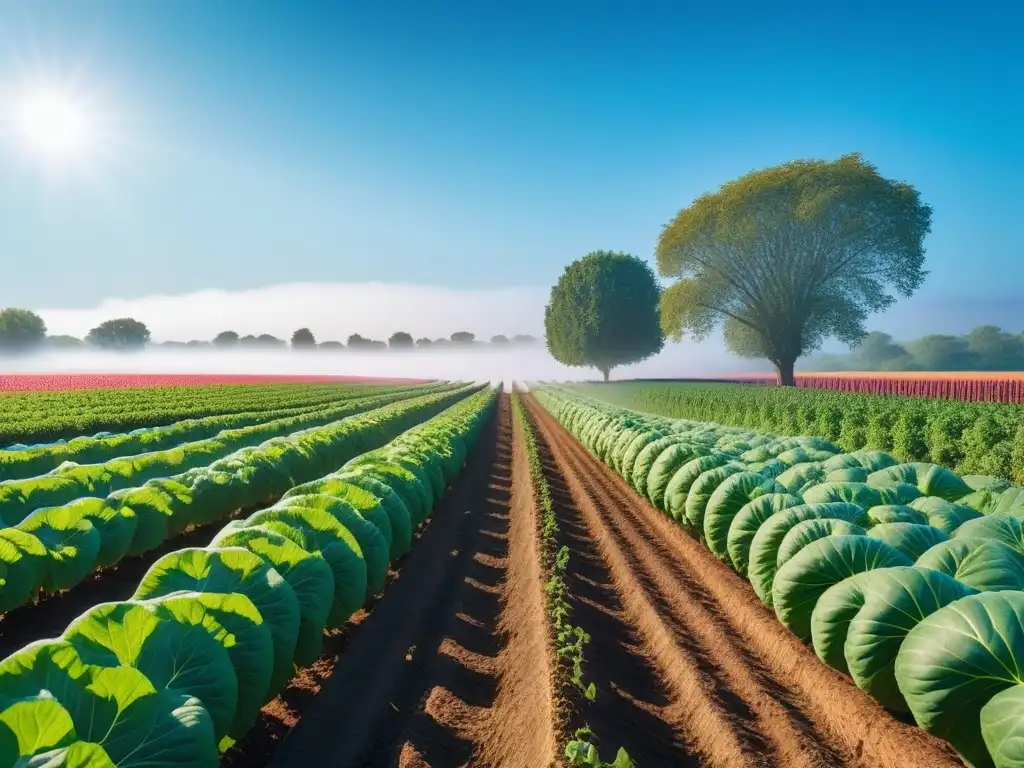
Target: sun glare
(53,125)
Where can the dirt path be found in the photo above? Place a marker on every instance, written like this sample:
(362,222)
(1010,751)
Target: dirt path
(450,667)
(725,684)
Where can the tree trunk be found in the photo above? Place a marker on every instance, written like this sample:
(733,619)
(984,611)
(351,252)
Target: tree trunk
(784,369)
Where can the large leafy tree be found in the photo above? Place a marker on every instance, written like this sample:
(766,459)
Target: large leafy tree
(788,256)
(463,337)
(20,330)
(603,312)
(123,333)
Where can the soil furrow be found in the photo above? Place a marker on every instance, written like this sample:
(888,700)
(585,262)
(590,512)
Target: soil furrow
(658,702)
(789,739)
(836,722)
(444,671)
(514,726)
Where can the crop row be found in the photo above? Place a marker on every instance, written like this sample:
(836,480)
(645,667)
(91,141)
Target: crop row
(57,547)
(38,417)
(44,382)
(904,576)
(71,481)
(972,438)
(182,669)
(569,639)
(31,462)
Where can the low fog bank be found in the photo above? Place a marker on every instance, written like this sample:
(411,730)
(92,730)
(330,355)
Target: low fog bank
(676,361)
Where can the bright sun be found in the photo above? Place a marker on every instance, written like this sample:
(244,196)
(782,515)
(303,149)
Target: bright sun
(54,125)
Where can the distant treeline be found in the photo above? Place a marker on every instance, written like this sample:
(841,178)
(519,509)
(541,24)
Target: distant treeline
(986,348)
(23,331)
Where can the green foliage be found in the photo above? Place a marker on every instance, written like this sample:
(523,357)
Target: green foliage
(986,348)
(303,339)
(226,339)
(905,576)
(400,340)
(20,330)
(789,256)
(971,437)
(95,515)
(63,342)
(582,751)
(463,337)
(603,312)
(122,334)
(213,633)
(569,639)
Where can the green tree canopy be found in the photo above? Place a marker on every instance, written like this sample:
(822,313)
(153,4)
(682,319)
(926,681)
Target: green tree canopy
(355,341)
(424,342)
(992,349)
(226,339)
(524,339)
(400,340)
(463,337)
(64,342)
(878,352)
(303,338)
(500,341)
(20,330)
(603,312)
(789,256)
(123,333)
(270,340)
(939,352)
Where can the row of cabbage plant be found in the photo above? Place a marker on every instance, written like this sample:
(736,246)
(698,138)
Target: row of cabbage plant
(904,576)
(70,480)
(181,670)
(58,547)
(35,417)
(21,461)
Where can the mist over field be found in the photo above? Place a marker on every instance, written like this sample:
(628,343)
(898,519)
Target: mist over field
(475,364)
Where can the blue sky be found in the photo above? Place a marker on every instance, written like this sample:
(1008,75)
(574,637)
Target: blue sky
(478,145)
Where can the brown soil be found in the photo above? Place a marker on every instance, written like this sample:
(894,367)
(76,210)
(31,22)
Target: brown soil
(450,668)
(680,639)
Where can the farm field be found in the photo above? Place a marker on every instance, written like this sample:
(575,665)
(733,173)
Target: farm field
(44,382)
(451,574)
(974,438)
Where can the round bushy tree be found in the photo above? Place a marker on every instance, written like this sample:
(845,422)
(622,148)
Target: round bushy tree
(20,330)
(604,312)
(123,333)
(303,339)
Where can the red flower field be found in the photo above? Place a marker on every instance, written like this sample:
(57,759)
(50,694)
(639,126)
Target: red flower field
(958,385)
(38,382)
